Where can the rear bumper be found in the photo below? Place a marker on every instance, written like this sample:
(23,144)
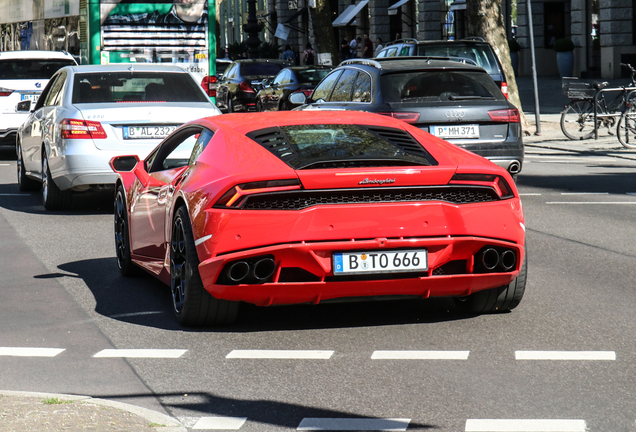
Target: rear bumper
(316,282)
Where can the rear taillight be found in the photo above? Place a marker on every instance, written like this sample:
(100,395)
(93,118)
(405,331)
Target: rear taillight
(245,87)
(234,197)
(497,182)
(80,129)
(5,92)
(209,85)
(306,92)
(504,88)
(409,117)
(505,116)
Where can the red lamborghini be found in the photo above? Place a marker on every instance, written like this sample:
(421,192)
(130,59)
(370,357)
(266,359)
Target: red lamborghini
(308,207)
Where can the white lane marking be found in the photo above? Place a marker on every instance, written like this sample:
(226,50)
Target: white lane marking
(357,424)
(5,165)
(584,193)
(30,352)
(523,425)
(420,355)
(592,202)
(15,194)
(220,423)
(141,353)
(565,355)
(280,354)
(203,239)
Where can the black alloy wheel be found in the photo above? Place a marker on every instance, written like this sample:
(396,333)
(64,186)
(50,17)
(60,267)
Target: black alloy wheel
(122,235)
(192,305)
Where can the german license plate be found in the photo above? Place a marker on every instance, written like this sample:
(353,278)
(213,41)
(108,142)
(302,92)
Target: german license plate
(456,131)
(32,97)
(147,132)
(345,263)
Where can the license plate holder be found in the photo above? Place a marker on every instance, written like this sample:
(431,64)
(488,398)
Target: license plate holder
(32,97)
(470,131)
(147,132)
(375,262)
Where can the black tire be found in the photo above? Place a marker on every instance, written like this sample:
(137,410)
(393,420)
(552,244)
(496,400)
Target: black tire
(52,197)
(577,120)
(497,300)
(25,183)
(230,105)
(259,106)
(122,236)
(193,306)
(626,129)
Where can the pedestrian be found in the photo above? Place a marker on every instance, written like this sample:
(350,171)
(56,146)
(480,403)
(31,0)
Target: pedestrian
(353,47)
(368,47)
(289,55)
(309,56)
(378,47)
(397,36)
(344,49)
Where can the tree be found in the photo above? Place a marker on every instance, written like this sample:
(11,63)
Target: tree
(487,21)
(325,40)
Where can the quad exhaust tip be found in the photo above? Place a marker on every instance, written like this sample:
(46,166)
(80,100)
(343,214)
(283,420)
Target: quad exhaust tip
(514,167)
(263,269)
(238,271)
(492,259)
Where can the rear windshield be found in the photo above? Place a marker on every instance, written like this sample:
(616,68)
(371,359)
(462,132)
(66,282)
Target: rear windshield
(135,87)
(439,86)
(31,69)
(327,146)
(312,76)
(255,69)
(481,54)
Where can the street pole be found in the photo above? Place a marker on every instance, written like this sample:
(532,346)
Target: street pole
(252,28)
(537,116)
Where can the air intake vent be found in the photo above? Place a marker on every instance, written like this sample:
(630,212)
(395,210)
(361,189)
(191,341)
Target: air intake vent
(274,140)
(403,140)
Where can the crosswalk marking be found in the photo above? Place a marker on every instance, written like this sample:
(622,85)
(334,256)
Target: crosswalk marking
(357,424)
(220,423)
(141,353)
(30,352)
(565,355)
(280,354)
(420,355)
(524,425)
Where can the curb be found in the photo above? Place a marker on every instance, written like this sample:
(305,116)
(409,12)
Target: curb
(168,424)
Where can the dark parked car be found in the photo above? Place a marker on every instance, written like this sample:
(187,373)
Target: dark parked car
(450,99)
(274,96)
(236,91)
(475,49)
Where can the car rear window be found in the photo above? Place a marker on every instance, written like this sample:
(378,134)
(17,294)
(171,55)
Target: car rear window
(31,69)
(256,69)
(100,87)
(312,76)
(439,86)
(342,146)
(481,54)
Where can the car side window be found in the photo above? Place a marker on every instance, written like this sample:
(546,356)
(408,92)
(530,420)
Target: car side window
(404,51)
(54,95)
(282,77)
(392,52)
(230,72)
(342,90)
(362,88)
(176,151)
(202,141)
(323,91)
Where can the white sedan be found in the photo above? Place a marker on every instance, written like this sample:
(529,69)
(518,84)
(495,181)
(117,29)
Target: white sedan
(88,114)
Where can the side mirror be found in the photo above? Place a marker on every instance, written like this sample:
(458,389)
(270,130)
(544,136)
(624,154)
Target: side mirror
(297,98)
(265,82)
(126,164)
(24,106)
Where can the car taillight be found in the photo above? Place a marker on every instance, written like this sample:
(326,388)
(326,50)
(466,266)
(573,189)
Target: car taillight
(497,182)
(233,197)
(5,92)
(80,129)
(505,116)
(306,92)
(245,87)
(504,88)
(409,117)
(209,85)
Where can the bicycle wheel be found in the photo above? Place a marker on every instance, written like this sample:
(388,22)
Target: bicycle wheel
(626,129)
(577,120)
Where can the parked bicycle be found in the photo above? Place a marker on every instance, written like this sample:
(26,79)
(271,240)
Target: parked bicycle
(577,120)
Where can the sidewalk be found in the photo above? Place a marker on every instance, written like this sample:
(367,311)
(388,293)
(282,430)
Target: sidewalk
(46,412)
(551,103)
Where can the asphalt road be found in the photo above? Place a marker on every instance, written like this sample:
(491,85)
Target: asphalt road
(564,360)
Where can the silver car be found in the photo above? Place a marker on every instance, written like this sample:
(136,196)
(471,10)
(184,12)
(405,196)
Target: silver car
(86,115)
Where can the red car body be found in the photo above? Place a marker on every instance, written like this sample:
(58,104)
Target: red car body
(307,216)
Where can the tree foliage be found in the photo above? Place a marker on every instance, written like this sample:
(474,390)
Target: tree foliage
(325,40)
(487,21)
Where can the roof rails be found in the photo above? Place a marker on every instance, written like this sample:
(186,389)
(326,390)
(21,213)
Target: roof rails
(377,63)
(362,61)
(474,38)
